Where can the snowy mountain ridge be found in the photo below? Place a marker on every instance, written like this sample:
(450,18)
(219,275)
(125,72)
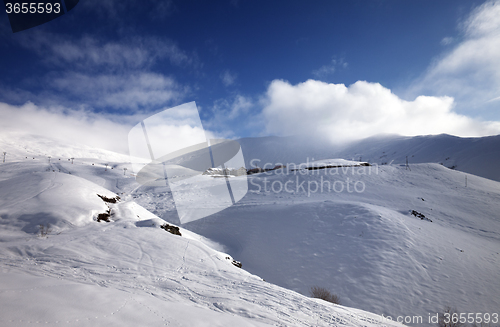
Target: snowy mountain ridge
(478,156)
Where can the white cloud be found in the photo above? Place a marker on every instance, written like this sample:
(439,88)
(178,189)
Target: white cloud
(340,113)
(105,74)
(470,72)
(68,126)
(484,20)
(124,92)
(98,130)
(130,91)
(228,78)
(88,52)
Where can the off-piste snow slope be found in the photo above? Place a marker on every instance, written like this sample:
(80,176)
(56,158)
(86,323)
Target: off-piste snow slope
(365,238)
(358,231)
(60,266)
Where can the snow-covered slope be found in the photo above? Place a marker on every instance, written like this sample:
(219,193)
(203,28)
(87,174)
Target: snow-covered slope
(361,240)
(365,239)
(35,147)
(58,265)
(478,156)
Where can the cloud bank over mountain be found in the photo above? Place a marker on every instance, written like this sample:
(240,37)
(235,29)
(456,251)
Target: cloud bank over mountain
(363,109)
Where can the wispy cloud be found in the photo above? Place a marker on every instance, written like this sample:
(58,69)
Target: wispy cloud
(326,70)
(90,53)
(163,9)
(90,73)
(228,78)
(447,40)
(494,99)
(339,113)
(234,108)
(230,116)
(127,92)
(117,9)
(470,72)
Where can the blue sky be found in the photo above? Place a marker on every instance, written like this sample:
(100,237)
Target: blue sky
(344,69)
